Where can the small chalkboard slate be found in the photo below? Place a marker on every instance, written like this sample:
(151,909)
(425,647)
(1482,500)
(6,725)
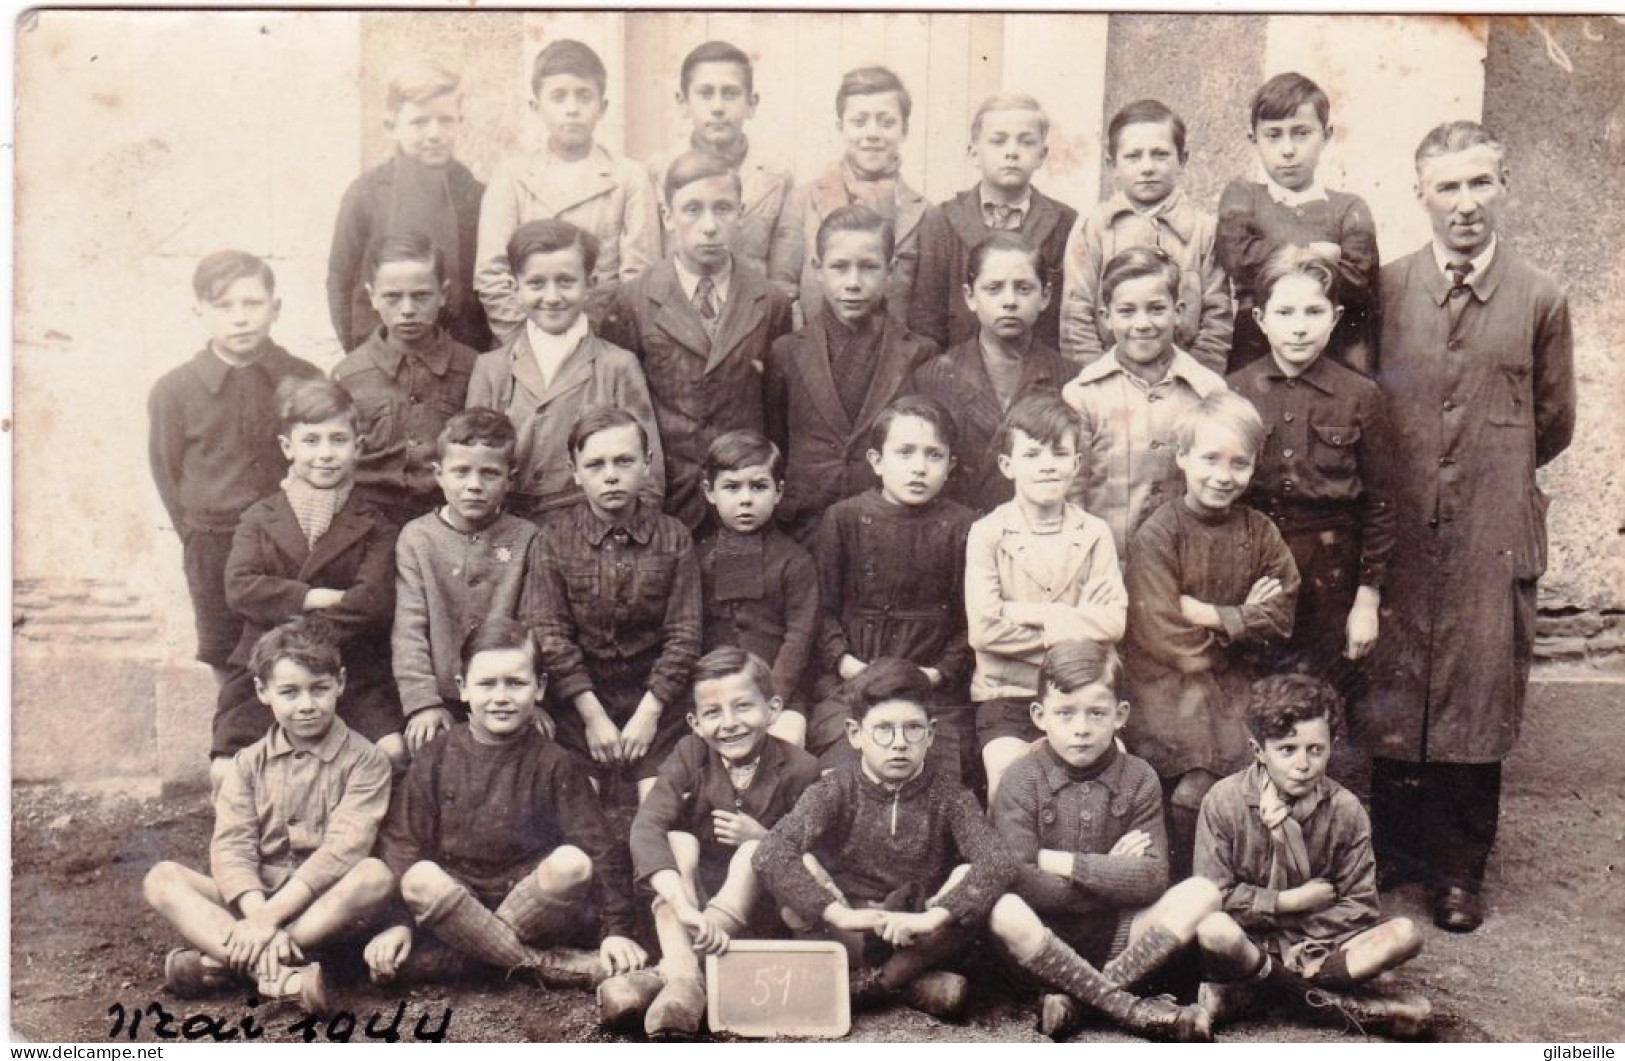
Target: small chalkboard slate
(765,988)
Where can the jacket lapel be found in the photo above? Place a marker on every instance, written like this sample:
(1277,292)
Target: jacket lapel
(981,407)
(673,314)
(813,365)
(286,533)
(964,214)
(1041,221)
(911,206)
(895,365)
(741,316)
(348,527)
(554,197)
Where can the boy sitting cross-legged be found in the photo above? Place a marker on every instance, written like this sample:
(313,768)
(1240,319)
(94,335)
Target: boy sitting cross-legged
(498,840)
(890,855)
(1086,818)
(720,790)
(295,815)
(1290,850)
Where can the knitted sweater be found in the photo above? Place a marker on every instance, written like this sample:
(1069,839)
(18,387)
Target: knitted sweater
(876,839)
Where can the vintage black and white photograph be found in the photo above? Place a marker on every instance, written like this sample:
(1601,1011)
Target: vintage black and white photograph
(604,526)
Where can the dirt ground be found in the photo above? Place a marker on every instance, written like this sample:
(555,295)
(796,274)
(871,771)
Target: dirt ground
(1544,967)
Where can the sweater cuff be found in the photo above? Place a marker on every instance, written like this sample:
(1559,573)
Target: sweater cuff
(1230,619)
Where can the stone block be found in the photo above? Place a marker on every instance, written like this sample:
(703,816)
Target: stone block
(1560,648)
(184,700)
(82,713)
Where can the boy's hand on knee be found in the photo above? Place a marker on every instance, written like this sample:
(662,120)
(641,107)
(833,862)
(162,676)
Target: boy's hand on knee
(424,726)
(603,738)
(1363,624)
(622,955)
(639,734)
(244,943)
(734,829)
(386,952)
(1133,844)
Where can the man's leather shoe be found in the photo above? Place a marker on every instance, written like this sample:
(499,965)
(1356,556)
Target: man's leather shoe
(1457,910)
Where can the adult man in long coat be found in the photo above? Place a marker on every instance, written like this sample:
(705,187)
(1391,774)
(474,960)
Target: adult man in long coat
(1477,365)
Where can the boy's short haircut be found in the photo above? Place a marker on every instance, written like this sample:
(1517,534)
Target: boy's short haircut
(1276,704)
(1280,97)
(419,81)
(856,218)
(1136,263)
(496,634)
(1228,409)
(887,678)
(716,52)
(602,418)
(920,407)
(1293,260)
(312,401)
(1450,137)
(402,247)
(1003,240)
(872,81)
(479,427)
(1009,101)
(734,450)
(1042,417)
(567,56)
(1145,112)
(548,235)
(305,639)
(693,166)
(1072,665)
(220,270)
(729,660)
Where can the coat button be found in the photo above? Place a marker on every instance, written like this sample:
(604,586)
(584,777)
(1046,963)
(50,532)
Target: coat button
(1287,418)
(1287,452)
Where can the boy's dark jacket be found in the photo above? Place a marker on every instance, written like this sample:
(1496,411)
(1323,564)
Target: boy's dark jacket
(272,567)
(365,213)
(949,232)
(826,460)
(701,389)
(876,842)
(693,782)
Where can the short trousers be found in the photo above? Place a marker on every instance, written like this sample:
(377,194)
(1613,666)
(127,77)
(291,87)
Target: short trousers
(619,688)
(1007,716)
(203,556)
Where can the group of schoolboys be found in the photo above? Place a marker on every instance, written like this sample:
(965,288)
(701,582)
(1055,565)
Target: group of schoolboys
(804,589)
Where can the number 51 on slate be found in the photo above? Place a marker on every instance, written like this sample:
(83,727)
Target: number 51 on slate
(766,988)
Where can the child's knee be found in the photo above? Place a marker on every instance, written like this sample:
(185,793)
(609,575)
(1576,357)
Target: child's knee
(685,851)
(645,786)
(1016,926)
(1218,933)
(567,869)
(1196,897)
(790,727)
(423,884)
(161,884)
(393,745)
(371,881)
(1404,939)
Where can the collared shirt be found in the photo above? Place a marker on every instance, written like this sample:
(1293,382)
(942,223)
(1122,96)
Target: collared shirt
(1128,438)
(315,812)
(690,282)
(1015,573)
(1480,262)
(212,443)
(403,398)
(1017,211)
(1040,804)
(1325,459)
(1285,196)
(602,595)
(549,350)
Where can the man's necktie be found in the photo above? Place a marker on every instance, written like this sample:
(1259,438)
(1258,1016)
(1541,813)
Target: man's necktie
(705,304)
(1460,293)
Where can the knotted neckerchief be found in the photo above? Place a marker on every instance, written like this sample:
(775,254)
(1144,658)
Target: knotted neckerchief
(877,191)
(736,570)
(421,202)
(312,507)
(1289,858)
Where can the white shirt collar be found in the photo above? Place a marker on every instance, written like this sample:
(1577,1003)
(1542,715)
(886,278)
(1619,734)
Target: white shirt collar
(551,350)
(1287,197)
(690,280)
(1479,263)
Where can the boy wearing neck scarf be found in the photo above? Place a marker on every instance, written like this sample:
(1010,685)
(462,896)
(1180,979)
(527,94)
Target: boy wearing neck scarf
(421,188)
(1290,850)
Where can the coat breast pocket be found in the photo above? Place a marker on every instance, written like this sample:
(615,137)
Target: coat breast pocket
(375,422)
(1332,448)
(1511,396)
(654,577)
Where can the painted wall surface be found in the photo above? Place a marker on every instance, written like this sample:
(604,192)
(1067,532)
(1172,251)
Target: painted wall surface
(147,139)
